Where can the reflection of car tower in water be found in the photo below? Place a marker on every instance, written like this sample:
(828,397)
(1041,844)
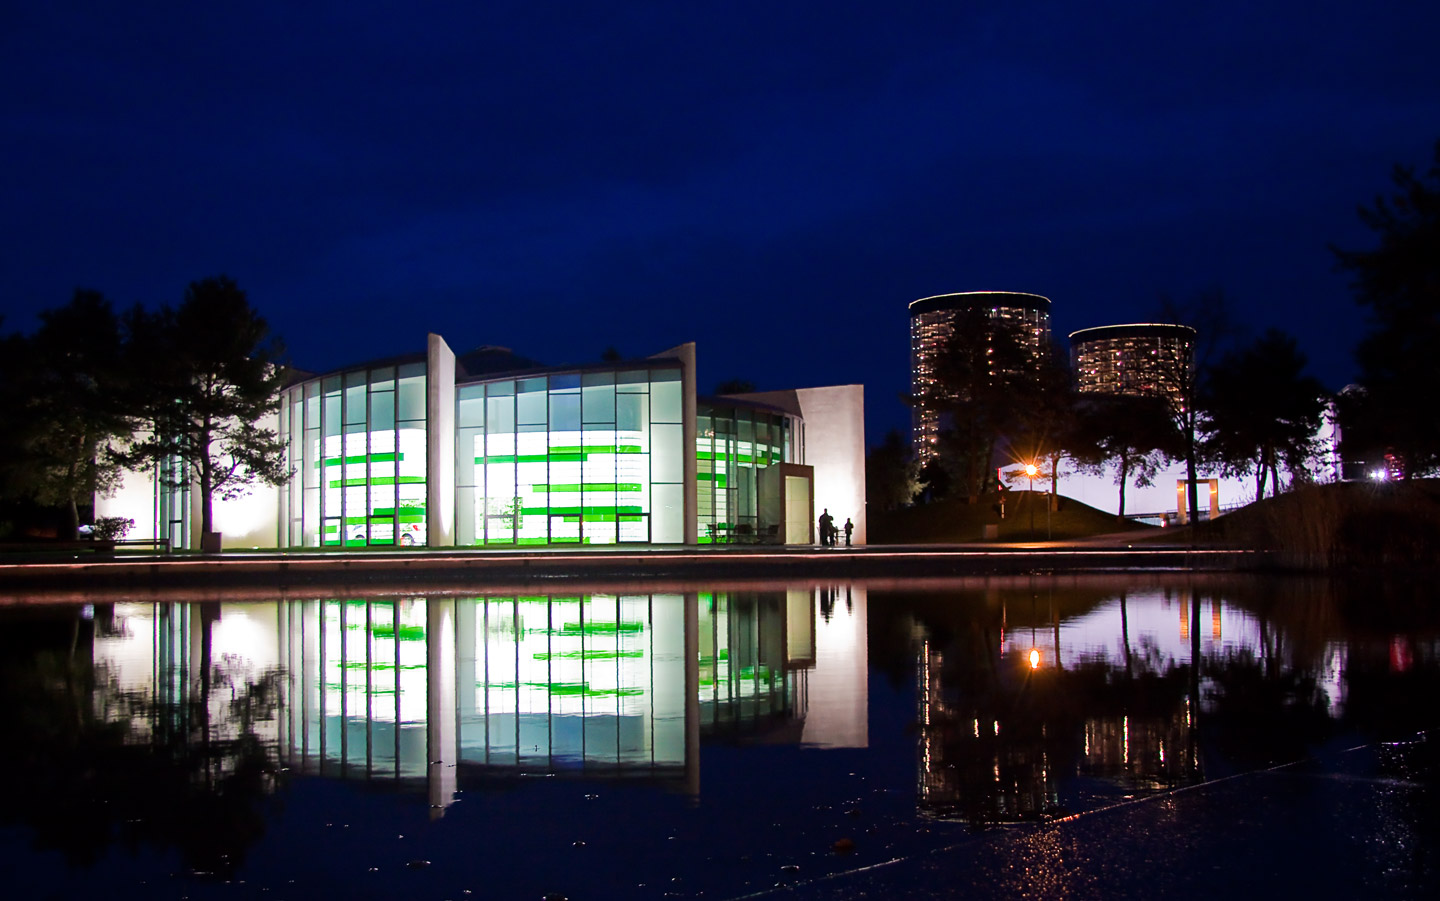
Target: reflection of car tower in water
(985,750)
(932,321)
(1140,359)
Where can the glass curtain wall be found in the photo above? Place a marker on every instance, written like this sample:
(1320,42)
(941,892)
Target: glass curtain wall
(591,681)
(570,458)
(356,684)
(357,442)
(172,502)
(594,682)
(743,676)
(733,444)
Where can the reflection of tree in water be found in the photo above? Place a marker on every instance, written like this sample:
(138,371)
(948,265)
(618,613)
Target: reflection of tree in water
(97,764)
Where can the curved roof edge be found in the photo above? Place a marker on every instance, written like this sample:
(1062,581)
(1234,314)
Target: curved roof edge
(1134,330)
(962,299)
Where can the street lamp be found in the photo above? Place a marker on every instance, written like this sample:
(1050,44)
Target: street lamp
(1030,470)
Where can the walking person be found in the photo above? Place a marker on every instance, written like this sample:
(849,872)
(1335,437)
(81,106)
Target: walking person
(849,528)
(827,526)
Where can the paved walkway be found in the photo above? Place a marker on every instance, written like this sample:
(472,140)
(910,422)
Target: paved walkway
(1351,823)
(438,567)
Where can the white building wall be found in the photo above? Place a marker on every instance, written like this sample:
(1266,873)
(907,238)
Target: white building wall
(835,446)
(135,499)
(440,443)
(249,521)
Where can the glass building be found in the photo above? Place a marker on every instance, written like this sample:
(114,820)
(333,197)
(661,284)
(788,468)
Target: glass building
(489,450)
(1139,359)
(357,448)
(417,691)
(932,320)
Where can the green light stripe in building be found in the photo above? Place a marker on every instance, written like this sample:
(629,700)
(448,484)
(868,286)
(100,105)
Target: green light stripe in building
(377,480)
(389,457)
(565,454)
(582,511)
(588,486)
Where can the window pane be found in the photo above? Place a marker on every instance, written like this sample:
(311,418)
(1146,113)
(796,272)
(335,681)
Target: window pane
(412,397)
(471,406)
(382,410)
(499,414)
(565,413)
(598,403)
(530,405)
(667,514)
(666,459)
(630,410)
(382,378)
(332,414)
(665,404)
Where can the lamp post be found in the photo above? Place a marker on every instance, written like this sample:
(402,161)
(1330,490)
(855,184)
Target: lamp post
(1030,470)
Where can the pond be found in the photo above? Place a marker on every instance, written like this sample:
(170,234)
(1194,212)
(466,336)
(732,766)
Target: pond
(706,741)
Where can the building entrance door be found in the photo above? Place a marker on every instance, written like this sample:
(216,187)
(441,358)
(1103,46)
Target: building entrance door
(797,511)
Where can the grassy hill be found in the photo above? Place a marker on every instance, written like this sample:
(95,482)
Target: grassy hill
(1350,525)
(955,521)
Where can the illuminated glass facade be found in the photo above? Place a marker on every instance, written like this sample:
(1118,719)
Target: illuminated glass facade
(590,457)
(357,448)
(1141,359)
(931,323)
(487,449)
(734,444)
(172,503)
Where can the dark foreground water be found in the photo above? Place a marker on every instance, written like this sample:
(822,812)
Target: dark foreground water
(1015,736)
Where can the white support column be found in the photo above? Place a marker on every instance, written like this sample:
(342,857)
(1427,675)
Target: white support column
(439,443)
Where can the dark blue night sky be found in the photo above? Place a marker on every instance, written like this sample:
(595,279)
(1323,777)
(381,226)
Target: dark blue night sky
(775,181)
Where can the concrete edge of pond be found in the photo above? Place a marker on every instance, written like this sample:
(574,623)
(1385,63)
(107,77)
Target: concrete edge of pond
(339,569)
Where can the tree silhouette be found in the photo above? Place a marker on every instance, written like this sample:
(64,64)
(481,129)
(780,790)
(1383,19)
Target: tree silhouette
(64,393)
(211,371)
(1135,432)
(890,473)
(1044,399)
(1399,282)
(1182,380)
(1262,410)
(983,376)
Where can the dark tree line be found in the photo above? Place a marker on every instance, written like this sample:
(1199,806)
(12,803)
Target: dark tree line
(94,392)
(1398,283)
(1252,411)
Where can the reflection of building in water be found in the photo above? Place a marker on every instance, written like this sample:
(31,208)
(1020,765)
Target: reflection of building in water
(1142,750)
(985,753)
(773,668)
(1010,707)
(420,691)
(191,671)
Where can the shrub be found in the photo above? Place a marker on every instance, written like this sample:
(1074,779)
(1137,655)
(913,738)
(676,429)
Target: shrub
(112,528)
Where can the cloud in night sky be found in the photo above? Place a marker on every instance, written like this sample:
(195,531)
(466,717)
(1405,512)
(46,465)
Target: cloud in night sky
(774,181)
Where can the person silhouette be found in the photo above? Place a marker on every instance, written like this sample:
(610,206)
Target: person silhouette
(849,528)
(827,526)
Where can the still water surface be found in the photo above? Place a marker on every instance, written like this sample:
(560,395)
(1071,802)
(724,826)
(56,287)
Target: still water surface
(697,742)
